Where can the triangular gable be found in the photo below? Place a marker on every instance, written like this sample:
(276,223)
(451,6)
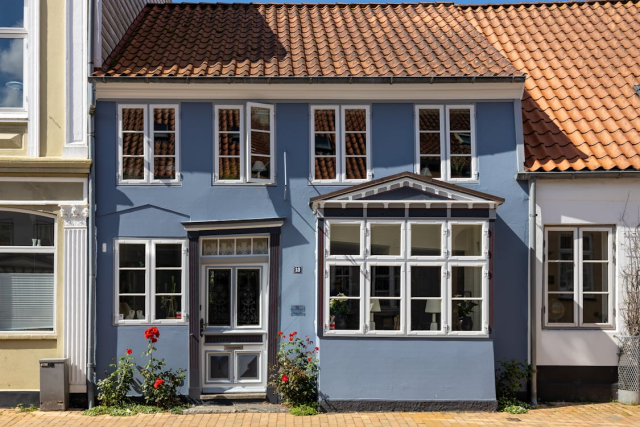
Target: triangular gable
(407,188)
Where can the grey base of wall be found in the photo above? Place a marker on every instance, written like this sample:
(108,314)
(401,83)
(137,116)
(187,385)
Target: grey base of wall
(407,406)
(11,399)
(577,383)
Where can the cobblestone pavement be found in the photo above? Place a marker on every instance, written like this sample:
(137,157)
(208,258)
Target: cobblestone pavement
(600,414)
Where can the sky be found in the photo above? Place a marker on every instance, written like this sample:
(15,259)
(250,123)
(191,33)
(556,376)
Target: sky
(355,1)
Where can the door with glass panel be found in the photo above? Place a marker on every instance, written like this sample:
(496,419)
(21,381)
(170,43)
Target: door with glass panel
(234,329)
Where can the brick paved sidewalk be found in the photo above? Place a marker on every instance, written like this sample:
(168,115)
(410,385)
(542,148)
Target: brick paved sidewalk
(600,414)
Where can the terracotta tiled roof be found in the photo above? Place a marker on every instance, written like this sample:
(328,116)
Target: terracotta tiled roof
(580,109)
(319,40)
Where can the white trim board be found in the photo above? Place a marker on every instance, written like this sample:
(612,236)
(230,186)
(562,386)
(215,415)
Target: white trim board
(296,91)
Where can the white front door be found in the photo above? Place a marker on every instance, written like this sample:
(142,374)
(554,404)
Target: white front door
(234,334)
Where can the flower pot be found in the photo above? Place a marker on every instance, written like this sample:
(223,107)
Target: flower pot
(465,323)
(341,322)
(629,370)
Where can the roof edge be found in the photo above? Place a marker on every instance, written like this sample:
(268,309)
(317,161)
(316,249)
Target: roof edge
(568,174)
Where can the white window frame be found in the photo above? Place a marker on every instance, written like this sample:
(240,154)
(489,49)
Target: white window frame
(150,282)
(341,149)
(148,146)
(578,278)
(445,145)
(39,249)
(245,145)
(29,113)
(407,262)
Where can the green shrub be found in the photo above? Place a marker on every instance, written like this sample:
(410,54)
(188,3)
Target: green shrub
(304,410)
(509,379)
(296,371)
(114,388)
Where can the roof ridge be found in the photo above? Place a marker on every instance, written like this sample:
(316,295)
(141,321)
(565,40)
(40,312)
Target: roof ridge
(124,41)
(539,3)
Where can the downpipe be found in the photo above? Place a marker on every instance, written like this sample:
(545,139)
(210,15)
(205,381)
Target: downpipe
(532,290)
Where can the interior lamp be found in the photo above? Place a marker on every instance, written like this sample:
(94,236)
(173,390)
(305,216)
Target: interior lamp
(374,307)
(433,307)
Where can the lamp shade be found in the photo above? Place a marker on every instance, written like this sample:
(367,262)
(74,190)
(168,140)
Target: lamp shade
(433,306)
(374,306)
(259,166)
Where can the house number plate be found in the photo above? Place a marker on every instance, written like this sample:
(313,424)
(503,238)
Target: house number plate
(298,310)
(297,270)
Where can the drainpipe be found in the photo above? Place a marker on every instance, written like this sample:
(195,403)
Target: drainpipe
(91,266)
(532,290)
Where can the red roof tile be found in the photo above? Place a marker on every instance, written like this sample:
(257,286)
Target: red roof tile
(320,40)
(580,109)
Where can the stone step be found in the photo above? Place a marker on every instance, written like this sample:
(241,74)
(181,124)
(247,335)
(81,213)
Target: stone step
(234,396)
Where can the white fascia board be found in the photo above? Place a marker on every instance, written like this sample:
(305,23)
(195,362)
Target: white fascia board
(320,91)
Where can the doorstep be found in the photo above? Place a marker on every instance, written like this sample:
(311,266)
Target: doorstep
(230,407)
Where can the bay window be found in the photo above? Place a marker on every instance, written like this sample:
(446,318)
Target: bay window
(445,142)
(244,149)
(150,278)
(579,277)
(406,277)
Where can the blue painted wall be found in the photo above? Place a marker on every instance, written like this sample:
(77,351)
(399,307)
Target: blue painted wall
(422,369)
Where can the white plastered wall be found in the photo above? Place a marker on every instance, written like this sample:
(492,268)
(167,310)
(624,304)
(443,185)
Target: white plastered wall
(603,201)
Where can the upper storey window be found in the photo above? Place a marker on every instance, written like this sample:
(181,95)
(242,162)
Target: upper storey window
(340,144)
(244,148)
(445,142)
(17,56)
(149,144)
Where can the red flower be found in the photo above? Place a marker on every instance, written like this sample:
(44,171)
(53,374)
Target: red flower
(317,348)
(309,359)
(285,378)
(158,383)
(129,351)
(153,339)
(152,333)
(290,338)
(279,332)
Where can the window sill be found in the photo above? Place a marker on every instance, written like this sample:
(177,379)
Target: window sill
(404,335)
(154,323)
(337,183)
(244,184)
(23,336)
(150,184)
(607,328)
(14,117)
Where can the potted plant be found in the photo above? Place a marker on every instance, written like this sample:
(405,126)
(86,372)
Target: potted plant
(339,309)
(465,308)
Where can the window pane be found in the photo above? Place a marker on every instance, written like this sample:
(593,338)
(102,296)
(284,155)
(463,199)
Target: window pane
(460,167)
(595,245)
(261,246)
(133,168)
(133,119)
(385,281)
(426,239)
(210,247)
(219,367)
(430,167)
(460,119)
(344,281)
(325,120)
(164,119)
(560,308)
(168,281)
(595,277)
(595,308)
(132,255)
(345,313)
(168,255)
(248,297)
(385,315)
(344,239)
(12,13)
(429,143)
(460,143)
(11,72)
(164,144)
(325,144)
(356,167)
(466,282)
(325,168)
(260,143)
(167,306)
(22,229)
(260,118)
(133,144)
(466,239)
(132,281)
(355,120)
(227,247)
(164,168)
(355,144)
(26,263)
(560,245)
(426,281)
(229,144)
(429,119)
(229,120)
(132,307)
(426,315)
(560,276)
(243,247)
(466,315)
(385,239)
(248,366)
(229,168)
(260,167)
(219,293)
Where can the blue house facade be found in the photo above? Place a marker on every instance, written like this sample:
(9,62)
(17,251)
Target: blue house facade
(379,218)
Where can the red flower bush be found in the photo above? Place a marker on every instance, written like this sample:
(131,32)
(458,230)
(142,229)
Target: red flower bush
(129,351)
(158,383)
(295,375)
